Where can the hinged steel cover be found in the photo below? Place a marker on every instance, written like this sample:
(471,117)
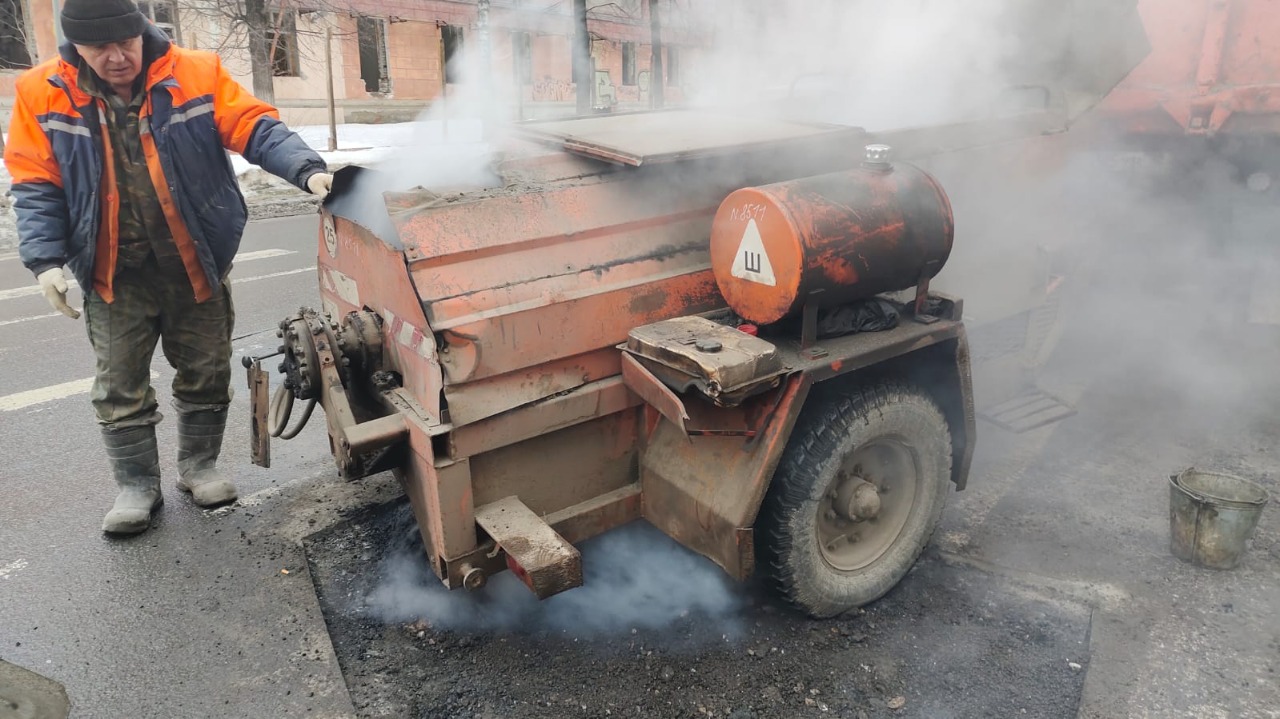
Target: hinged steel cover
(723,356)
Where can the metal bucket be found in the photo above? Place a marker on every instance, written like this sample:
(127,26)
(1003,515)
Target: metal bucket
(1212,516)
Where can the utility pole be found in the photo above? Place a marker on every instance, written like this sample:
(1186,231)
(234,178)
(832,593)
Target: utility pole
(444,89)
(518,52)
(57,26)
(328,87)
(656,75)
(582,75)
(486,69)
(174,12)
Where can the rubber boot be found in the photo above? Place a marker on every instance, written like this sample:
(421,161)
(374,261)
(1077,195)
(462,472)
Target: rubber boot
(135,461)
(199,442)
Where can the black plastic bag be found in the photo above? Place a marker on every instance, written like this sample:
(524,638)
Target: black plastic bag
(874,315)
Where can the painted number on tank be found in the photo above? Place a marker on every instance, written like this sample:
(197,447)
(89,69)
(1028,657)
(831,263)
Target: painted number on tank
(330,236)
(748,211)
(751,263)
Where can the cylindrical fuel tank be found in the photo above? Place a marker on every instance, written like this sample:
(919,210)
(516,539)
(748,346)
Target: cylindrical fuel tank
(834,238)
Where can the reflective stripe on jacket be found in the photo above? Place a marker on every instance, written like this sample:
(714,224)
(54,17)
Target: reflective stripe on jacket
(58,155)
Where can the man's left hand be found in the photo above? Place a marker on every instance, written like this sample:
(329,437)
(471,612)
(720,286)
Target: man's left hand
(319,184)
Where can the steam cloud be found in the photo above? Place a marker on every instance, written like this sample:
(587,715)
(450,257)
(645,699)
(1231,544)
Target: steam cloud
(1159,263)
(873,64)
(454,139)
(634,578)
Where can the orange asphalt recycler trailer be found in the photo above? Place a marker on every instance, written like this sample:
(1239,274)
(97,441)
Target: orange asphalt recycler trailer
(618,333)
(717,324)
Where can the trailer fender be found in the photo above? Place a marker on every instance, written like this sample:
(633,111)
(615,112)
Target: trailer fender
(704,490)
(703,478)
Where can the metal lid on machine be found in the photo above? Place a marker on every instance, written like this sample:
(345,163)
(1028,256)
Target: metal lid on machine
(715,357)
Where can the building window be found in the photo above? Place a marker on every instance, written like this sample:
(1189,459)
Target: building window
(673,66)
(283,43)
(628,63)
(522,58)
(14,50)
(163,14)
(452,37)
(374,66)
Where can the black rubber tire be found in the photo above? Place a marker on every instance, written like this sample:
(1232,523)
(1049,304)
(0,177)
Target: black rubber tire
(831,428)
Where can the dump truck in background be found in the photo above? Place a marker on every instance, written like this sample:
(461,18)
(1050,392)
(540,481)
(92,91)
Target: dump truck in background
(1211,80)
(1198,122)
(720,324)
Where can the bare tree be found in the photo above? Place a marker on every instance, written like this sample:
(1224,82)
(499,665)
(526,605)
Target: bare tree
(261,27)
(17,35)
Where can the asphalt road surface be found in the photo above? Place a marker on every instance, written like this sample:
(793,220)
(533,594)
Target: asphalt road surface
(1049,590)
(195,617)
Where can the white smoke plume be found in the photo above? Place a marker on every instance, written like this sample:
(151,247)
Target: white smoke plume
(634,578)
(877,65)
(454,137)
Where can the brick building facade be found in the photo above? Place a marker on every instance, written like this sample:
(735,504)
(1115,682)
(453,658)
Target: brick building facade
(393,57)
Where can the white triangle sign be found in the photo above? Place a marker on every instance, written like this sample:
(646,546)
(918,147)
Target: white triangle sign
(751,263)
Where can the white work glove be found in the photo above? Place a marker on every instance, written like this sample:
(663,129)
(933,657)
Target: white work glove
(319,184)
(53,283)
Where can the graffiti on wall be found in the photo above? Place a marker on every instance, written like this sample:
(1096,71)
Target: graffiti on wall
(551,89)
(638,92)
(606,92)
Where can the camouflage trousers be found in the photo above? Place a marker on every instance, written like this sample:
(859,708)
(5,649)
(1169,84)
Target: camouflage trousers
(154,306)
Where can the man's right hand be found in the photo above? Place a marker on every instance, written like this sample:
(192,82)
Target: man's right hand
(53,283)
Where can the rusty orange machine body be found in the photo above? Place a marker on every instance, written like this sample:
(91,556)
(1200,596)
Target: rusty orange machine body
(1214,67)
(552,357)
(720,324)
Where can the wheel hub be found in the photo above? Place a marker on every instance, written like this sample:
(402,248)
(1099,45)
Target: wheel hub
(867,504)
(857,500)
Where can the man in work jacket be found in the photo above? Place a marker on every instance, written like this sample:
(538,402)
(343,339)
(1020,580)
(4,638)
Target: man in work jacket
(117,150)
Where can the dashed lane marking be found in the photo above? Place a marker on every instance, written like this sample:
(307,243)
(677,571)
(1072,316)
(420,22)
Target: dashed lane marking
(22,400)
(28,319)
(242,257)
(234,281)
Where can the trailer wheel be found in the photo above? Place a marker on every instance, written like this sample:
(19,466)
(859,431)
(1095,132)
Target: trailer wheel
(856,497)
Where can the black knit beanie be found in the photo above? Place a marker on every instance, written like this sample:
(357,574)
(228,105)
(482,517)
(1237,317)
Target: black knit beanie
(98,22)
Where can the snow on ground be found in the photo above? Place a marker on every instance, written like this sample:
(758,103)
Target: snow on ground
(371,144)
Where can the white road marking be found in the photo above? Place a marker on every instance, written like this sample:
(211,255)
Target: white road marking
(236,280)
(242,257)
(262,255)
(300,270)
(32,397)
(28,319)
(9,569)
(8,256)
(29,291)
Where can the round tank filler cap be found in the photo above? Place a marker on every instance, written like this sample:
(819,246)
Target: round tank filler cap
(878,156)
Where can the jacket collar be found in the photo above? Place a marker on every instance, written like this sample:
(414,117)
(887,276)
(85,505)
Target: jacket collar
(157,63)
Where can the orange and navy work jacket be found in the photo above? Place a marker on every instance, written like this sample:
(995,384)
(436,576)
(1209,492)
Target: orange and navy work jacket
(64,187)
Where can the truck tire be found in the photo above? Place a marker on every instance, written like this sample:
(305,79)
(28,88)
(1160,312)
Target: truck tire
(857,495)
